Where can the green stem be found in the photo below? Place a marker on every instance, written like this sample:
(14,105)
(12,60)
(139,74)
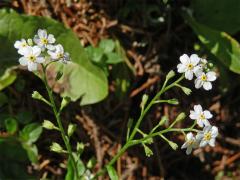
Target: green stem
(59,122)
(132,142)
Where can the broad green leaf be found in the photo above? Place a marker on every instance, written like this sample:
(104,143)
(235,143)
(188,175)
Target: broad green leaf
(112,173)
(81,78)
(7,78)
(31,133)
(221,15)
(107,45)
(11,125)
(220,44)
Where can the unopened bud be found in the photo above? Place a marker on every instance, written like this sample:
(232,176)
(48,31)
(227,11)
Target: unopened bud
(71,129)
(144,100)
(55,147)
(170,75)
(48,125)
(180,117)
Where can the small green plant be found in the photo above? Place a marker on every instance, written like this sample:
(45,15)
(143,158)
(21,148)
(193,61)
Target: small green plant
(43,51)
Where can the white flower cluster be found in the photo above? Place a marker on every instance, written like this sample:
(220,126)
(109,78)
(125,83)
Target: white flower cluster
(195,65)
(39,50)
(204,137)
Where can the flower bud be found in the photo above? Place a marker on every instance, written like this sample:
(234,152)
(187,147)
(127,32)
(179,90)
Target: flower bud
(170,75)
(173,101)
(144,101)
(163,120)
(173,145)
(48,125)
(38,96)
(55,147)
(147,150)
(186,90)
(180,117)
(71,129)
(30,42)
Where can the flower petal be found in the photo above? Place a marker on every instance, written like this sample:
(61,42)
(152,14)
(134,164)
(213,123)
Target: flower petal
(184,145)
(189,136)
(32,66)
(194,59)
(207,86)
(189,75)
(206,123)
(200,122)
(214,131)
(25,51)
(193,115)
(181,68)
(36,51)
(211,76)
(51,39)
(212,142)
(23,61)
(17,44)
(198,83)
(184,59)
(40,59)
(197,108)
(203,143)
(42,33)
(189,150)
(207,114)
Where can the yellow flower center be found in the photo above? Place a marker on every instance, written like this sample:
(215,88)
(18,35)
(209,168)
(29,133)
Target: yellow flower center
(44,40)
(204,77)
(190,142)
(202,117)
(24,44)
(60,55)
(32,58)
(190,66)
(207,136)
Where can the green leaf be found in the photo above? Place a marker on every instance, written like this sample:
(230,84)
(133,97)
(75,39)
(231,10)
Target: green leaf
(220,44)
(31,133)
(112,173)
(32,152)
(95,54)
(81,78)
(113,58)
(24,117)
(220,15)
(11,125)
(8,77)
(3,99)
(107,45)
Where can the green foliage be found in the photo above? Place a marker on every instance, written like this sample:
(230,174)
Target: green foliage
(112,173)
(11,125)
(221,15)
(7,78)
(222,45)
(106,53)
(85,80)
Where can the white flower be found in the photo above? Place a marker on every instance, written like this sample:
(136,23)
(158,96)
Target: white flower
(205,79)
(43,40)
(207,136)
(31,57)
(200,115)
(188,65)
(20,45)
(190,143)
(58,54)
